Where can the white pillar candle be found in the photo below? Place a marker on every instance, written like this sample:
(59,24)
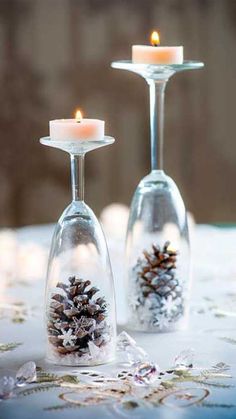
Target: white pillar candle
(76,129)
(155,54)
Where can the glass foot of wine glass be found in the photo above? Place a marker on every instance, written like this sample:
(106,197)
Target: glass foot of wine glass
(80,303)
(157,244)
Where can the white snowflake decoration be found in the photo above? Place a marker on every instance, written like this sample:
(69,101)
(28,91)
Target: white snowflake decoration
(168,305)
(161,321)
(85,325)
(67,337)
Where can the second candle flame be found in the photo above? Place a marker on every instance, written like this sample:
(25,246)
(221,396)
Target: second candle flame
(78,116)
(155,39)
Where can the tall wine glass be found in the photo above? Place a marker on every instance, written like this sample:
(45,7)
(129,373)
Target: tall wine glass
(80,303)
(157,242)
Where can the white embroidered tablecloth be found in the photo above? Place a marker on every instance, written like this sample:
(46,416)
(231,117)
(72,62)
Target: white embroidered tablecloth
(202,392)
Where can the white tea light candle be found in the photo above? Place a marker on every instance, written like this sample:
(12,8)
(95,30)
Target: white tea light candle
(156,54)
(77,129)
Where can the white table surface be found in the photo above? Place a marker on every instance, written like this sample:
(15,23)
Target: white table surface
(211,331)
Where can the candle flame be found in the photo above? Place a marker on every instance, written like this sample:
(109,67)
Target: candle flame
(155,39)
(78,116)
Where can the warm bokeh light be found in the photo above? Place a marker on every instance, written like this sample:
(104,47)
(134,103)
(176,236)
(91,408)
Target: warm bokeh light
(155,38)
(78,115)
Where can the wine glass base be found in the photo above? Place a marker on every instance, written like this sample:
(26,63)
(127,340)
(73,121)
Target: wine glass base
(77,146)
(156,71)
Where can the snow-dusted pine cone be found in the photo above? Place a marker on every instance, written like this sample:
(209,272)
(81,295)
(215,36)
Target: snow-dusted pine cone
(156,272)
(156,295)
(76,317)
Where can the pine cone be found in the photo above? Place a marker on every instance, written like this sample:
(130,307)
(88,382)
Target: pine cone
(76,317)
(156,273)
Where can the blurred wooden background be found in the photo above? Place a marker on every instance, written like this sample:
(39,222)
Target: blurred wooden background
(55,55)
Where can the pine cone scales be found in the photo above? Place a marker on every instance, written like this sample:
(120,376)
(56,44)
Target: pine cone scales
(156,274)
(76,317)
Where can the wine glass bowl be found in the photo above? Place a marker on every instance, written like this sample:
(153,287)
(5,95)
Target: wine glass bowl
(157,254)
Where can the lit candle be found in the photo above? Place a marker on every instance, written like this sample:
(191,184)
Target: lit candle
(76,129)
(155,54)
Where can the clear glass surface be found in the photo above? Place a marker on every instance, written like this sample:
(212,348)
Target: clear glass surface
(80,304)
(156,71)
(157,243)
(77,147)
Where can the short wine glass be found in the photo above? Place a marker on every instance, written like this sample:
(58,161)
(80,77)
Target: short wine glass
(80,302)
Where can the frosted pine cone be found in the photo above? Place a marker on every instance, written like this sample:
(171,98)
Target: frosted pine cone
(157,291)
(156,273)
(76,317)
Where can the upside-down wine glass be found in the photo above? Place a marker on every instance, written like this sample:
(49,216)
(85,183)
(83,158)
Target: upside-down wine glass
(80,303)
(157,241)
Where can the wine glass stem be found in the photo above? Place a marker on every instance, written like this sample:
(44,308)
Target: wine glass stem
(77,177)
(157,94)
